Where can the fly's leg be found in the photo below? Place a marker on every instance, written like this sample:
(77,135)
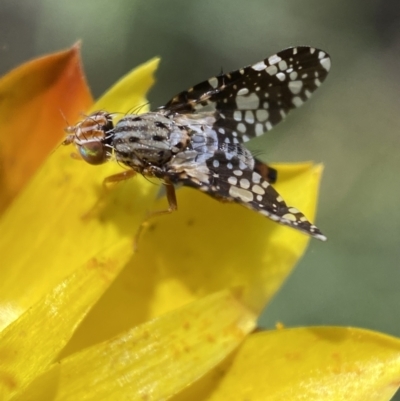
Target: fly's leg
(172,206)
(171,198)
(107,186)
(112,179)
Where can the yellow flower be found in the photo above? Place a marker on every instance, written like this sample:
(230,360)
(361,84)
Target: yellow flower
(84,317)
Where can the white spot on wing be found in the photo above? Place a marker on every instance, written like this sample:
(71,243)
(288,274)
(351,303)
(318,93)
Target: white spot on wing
(281,76)
(262,115)
(213,82)
(295,87)
(256,178)
(272,70)
(259,66)
(283,65)
(289,216)
(232,180)
(326,63)
(240,193)
(243,91)
(244,183)
(237,115)
(259,129)
(258,190)
(249,117)
(241,128)
(250,102)
(271,216)
(297,101)
(274,59)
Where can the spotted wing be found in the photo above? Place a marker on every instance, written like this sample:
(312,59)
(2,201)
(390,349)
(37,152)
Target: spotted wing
(250,101)
(228,180)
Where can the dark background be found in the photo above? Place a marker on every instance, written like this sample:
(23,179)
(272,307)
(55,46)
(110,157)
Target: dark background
(352,124)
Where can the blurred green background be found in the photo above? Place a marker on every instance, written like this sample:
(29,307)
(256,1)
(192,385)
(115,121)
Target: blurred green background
(352,124)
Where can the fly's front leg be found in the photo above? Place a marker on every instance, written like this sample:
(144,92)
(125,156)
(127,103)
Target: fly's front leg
(107,185)
(112,179)
(172,206)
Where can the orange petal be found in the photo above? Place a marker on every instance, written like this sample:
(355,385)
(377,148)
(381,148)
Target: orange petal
(313,364)
(32,343)
(153,361)
(33,99)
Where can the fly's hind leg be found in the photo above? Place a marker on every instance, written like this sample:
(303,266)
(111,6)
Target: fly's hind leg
(267,172)
(172,206)
(171,198)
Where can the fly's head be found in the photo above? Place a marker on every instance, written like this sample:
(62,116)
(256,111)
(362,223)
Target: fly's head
(150,139)
(92,137)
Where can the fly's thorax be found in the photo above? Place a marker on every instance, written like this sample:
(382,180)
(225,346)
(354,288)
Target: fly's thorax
(150,139)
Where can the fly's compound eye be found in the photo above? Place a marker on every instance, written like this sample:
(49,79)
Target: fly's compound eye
(94,152)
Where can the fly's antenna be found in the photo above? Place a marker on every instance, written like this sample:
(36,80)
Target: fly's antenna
(64,118)
(139,108)
(67,130)
(115,113)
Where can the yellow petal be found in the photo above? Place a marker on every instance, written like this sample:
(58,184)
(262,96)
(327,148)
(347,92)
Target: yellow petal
(63,218)
(313,364)
(208,244)
(128,95)
(152,361)
(35,97)
(203,247)
(32,343)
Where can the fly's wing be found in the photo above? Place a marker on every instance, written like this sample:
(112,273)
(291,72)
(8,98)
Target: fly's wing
(230,180)
(248,102)
(233,108)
